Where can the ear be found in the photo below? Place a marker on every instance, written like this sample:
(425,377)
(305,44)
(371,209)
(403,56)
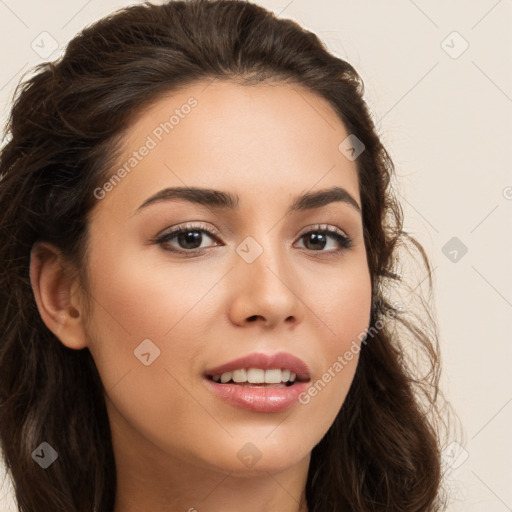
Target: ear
(56,295)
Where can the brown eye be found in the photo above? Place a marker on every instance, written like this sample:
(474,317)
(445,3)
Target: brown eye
(316,240)
(188,239)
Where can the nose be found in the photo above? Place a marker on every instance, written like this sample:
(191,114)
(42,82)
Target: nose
(266,291)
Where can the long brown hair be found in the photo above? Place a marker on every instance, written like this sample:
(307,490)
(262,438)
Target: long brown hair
(382,452)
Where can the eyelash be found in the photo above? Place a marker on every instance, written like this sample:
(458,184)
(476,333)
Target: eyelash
(343,240)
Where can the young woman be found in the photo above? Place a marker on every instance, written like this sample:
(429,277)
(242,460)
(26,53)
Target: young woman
(199,246)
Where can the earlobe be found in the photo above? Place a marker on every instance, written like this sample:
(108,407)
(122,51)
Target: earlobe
(52,285)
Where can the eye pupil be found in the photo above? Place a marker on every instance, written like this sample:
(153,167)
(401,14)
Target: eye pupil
(189,237)
(316,238)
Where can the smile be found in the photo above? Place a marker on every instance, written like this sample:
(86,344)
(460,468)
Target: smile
(257,376)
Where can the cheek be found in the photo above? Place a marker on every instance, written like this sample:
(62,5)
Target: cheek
(143,296)
(145,337)
(342,310)
(342,303)
(349,310)
(134,300)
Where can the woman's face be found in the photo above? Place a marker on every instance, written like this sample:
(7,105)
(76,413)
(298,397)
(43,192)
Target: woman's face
(256,276)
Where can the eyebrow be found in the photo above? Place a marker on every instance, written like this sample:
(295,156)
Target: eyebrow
(224,200)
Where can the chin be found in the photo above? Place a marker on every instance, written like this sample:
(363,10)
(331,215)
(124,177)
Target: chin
(258,456)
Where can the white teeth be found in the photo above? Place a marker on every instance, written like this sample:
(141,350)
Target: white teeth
(240,376)
(226,377)
(256,376)
(273,376)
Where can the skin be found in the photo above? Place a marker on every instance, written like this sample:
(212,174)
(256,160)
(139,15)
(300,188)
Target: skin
(175,443)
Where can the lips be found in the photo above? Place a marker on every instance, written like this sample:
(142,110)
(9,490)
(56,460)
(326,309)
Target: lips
(260,398)
(280,360)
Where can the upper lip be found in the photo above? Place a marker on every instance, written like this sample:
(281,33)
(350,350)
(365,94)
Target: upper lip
(281,360)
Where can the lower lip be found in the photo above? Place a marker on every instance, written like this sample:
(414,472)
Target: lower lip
(258,399)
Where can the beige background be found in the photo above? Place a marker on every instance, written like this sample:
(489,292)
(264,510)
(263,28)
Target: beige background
(445,114)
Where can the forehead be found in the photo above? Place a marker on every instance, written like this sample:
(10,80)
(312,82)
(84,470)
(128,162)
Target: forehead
(270,138)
